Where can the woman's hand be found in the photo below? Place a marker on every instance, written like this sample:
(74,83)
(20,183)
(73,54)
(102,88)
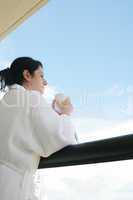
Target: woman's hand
(63,107)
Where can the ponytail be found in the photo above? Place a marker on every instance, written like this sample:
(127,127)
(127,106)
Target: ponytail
(5,78)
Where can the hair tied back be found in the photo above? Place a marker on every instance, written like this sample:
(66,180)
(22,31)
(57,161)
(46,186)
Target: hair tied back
(4,77)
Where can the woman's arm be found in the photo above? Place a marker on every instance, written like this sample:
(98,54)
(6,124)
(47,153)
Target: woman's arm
(51,132)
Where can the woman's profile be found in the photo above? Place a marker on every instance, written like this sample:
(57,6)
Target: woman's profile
(30,128)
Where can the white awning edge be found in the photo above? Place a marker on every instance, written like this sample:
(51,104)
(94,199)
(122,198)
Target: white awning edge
(11,23)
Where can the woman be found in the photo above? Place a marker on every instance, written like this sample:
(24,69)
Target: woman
(30,128)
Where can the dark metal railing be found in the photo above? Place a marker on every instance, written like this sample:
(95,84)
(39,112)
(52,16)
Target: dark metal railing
(112,149)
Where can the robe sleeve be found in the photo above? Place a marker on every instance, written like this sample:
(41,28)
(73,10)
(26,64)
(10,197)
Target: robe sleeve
(50,131)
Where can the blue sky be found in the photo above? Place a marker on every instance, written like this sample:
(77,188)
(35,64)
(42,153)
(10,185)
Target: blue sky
(86,47)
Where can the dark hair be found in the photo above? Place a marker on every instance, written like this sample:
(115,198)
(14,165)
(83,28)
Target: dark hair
(14,74)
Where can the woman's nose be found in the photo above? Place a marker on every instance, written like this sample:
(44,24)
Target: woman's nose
(45,82)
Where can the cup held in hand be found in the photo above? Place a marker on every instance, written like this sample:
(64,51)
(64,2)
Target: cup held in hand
(63,104)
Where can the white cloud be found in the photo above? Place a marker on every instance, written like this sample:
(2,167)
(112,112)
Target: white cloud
(87,126)
(122,128)
(95,181)
(115,90)
(90,129)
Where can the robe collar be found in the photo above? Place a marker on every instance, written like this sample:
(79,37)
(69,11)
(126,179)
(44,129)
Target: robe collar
(16,86)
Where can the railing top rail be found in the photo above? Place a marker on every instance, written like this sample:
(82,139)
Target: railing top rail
(105,150)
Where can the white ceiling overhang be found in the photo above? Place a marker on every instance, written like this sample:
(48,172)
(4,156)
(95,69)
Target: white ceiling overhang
(14,12)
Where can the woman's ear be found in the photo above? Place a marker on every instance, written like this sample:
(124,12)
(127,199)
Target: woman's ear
(26,74)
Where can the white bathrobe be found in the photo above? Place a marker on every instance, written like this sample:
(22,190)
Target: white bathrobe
(29,128)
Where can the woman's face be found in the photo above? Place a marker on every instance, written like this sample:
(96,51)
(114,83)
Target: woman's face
(35,81)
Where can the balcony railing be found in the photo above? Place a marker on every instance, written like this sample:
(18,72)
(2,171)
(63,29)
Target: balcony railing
(106,150)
